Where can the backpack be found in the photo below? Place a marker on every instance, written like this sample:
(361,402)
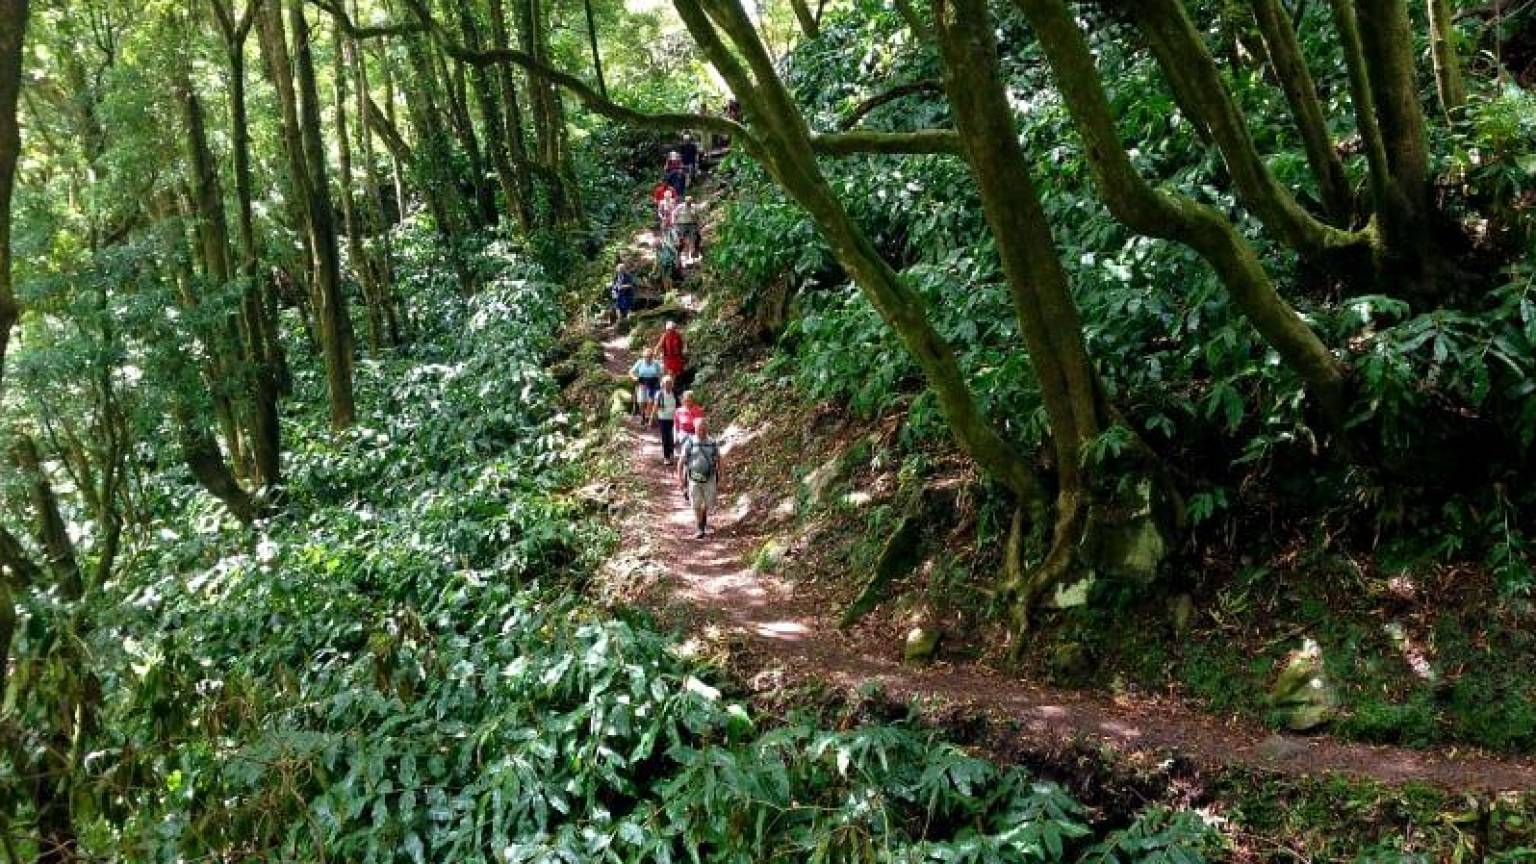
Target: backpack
(702,457)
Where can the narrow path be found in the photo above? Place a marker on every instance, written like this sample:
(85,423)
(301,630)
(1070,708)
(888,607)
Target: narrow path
(792,636)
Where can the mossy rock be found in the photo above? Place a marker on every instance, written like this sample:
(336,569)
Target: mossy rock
(922,645)
(769,556)
(1302,697)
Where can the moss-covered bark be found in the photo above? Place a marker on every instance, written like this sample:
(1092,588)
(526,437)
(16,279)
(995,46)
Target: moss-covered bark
(1177,218)
(1442,44)
(13,25)
(1295,78)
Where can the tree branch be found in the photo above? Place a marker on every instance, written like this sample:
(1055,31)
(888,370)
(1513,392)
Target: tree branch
(387,131)
(14,557)
(349,27)
(675,122)
(863,108)
(854,143)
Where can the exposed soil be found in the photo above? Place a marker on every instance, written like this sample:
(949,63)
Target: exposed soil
(784,634)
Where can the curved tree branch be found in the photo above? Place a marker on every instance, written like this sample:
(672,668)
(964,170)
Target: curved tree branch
(920,141)
(349,27)
(912,87)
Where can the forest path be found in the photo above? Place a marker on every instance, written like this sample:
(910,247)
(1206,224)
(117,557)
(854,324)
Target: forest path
(712,590)
(711,585)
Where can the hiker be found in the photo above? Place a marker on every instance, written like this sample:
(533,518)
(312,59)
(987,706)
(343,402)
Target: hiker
(647,376)
(675,174)
(686,219)
(665,208)
(690,153)
(698,473)
(672,350)
(665,408)
(686,420)
(622,290)
(666,258)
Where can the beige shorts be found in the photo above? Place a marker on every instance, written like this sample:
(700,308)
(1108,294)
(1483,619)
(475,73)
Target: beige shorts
(702,495)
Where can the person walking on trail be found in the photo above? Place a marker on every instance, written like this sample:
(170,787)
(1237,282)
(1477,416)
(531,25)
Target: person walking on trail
(686,219)
(689,413)
(666,259)
(689,150)
(622,290)
(674,173)
(665,407)
(647,375)
(672,350)
(665,209)
(698,473)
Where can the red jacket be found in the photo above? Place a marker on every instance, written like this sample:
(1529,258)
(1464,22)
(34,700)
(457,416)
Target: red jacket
(671,346)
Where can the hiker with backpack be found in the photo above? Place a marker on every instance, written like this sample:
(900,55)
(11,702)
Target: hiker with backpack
(674,173)
(666,411)
(622,290)
(689,150)
(698,473)
(647,374)
(686,218)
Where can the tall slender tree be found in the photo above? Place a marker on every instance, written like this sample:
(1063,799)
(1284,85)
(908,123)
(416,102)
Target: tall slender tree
(13,27)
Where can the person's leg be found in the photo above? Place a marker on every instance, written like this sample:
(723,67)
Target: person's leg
(666,441)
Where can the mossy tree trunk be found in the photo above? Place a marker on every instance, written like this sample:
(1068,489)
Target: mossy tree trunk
(1377,41)
(373,307)
(1185,60)
(1042,299)
(1295,79)
(1179,219)
(13,25)
(1442,43)
(261,342)
(332,318)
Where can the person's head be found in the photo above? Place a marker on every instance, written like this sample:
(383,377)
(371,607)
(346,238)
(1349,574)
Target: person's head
(687,136)
(688,398)
(673,155)
(621,268)
(688,198)
(667,383)
(701,429)
(649,354)
(671,325)
(671,193)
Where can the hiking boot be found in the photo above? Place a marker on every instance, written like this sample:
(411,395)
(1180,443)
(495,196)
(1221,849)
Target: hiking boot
(699,534)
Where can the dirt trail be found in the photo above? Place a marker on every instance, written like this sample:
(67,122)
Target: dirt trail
(791,635)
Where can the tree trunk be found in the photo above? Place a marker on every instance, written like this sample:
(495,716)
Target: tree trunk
(455,101)
(274,48)
(440,188)
(383,262)
(397,162)
(206,204)
(547,131)
(597,57)
(1442,44)
(1042,299)
(261,340)
(1183,56)
(787,153)
(371,305)
(495,133)
(50,528)
(517,151)
(1290,67)
(13,26)
(1179,219)
(201,453)
(1410,260)
(331,313)
(803,14)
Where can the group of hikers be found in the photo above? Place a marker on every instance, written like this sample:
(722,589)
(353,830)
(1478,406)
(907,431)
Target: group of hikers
(680,420)
(661,400)
(677,241)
